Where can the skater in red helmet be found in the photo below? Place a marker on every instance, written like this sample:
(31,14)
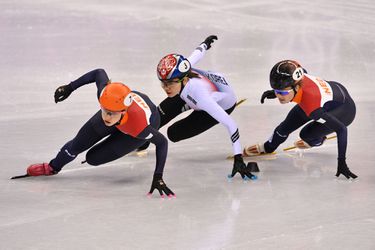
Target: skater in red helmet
(324,106)
(207,93)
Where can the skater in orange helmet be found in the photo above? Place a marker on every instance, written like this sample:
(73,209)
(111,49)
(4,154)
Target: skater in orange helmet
(127,119)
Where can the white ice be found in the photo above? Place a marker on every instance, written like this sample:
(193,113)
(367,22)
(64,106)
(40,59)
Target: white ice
(297,203)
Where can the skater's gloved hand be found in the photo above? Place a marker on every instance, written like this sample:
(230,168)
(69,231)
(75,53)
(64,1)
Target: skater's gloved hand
(63,92)
(239,166)
(343,169)
(159,184)
(268,94)
(209,40)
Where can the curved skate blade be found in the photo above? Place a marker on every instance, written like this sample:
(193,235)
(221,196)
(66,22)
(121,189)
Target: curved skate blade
(231,157)
(20,176)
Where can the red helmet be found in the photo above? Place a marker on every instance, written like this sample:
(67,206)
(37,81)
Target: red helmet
(115,97)
(173,66)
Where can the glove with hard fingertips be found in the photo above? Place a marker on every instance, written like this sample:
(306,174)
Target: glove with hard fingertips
(268,94)
(342,168)
(209,40)
(159,184)
(240,167)
(63,92)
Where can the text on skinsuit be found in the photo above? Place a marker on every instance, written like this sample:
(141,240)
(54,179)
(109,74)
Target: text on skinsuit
(323,84)
(140,101)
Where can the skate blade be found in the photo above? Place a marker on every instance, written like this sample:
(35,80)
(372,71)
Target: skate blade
(231,157)
(20,176)
(295,147)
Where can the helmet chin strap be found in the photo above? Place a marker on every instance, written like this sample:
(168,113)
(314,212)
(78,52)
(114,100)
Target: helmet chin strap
(119,121)
(294,91)
(123,118)
(182,85)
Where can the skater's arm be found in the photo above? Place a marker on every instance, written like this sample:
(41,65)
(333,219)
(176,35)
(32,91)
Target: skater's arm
(169,108)
(197,54)
(99,76)
(200,51)
(209,105)
(161,143)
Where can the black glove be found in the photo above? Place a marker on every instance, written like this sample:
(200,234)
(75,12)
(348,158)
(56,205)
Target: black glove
(269,94)
(159,184)
(342,168)
(239,166)
(209,40)
(63,92)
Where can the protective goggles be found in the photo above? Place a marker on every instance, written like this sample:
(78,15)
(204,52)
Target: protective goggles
(282,92)
(170,82)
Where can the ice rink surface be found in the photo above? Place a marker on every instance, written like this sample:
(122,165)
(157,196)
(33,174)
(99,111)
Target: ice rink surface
(297,202)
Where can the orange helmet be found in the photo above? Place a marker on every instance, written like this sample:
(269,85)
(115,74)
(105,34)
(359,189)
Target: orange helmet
(115,97)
